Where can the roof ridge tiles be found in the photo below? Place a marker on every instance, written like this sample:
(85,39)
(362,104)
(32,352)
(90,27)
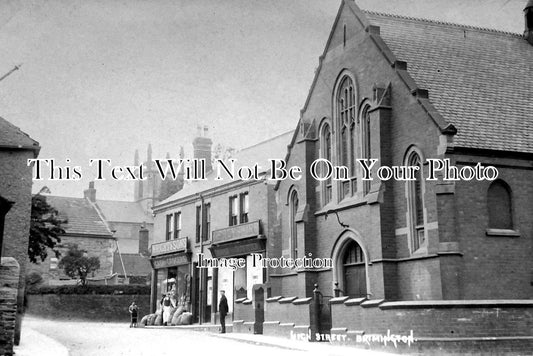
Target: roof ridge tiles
(445,23)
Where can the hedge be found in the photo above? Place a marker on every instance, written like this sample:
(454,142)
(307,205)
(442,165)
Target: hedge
(127,289)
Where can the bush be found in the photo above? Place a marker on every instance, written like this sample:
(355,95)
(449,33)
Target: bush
(127,289)
(33,279)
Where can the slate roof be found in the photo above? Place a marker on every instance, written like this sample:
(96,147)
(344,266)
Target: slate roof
(123,211)
(260,153)
(12,136)
(134,264)
(83,219)
(479,80)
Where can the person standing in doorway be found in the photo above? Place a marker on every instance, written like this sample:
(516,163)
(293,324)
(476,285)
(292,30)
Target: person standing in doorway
(223,311)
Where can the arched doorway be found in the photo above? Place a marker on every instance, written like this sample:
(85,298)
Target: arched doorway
(350,265)
(354,270)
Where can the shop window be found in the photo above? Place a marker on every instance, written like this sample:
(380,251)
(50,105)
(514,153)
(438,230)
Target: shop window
(177,225)
(416,204)
(233,210)
(243,205)
(500,206)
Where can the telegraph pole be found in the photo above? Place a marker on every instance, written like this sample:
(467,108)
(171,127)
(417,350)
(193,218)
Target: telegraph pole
(11,71)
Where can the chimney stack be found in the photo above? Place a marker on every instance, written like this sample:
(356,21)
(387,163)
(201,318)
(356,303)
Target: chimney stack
(143,241)
(202,148)
(90,193)
(528,17)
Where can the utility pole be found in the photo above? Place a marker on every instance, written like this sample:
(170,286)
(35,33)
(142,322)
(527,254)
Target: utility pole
(11,71)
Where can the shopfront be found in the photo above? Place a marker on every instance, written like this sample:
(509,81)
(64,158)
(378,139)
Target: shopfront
(171,272)
(241,241)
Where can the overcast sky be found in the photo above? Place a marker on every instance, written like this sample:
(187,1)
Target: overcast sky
(100,79)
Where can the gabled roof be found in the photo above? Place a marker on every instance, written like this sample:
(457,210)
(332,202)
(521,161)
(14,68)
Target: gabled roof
(123,211)
(134,264)
(260,153)
(83,218)
(13,137)
(479,80)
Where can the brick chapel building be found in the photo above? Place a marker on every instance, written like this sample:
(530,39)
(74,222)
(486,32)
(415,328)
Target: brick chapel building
(403,90)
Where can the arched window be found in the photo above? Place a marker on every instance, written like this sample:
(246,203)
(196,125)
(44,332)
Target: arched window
(293,205)
(325,152)
(365,144)
(416,203)
(500,206)
(347,133)
(353,262)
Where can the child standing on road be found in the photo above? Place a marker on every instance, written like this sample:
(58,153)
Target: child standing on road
(134,311)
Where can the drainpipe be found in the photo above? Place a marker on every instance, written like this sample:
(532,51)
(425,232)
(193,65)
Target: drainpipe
(201,279)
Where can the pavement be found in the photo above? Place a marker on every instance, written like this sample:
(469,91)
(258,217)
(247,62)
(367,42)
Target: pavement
(34,343)
(69,342)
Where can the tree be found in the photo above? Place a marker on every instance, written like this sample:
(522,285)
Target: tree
(76,264)
(45,229)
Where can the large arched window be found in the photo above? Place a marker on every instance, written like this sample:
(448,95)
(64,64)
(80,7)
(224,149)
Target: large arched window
(500,206)
(345,121)
(415,197)
(293,206)
(325,153)
(365,144)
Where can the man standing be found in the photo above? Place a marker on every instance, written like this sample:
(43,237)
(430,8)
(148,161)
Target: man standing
(223,311)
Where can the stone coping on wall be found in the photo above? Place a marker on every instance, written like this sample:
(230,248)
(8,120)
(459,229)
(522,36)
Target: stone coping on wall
(240,300)
(302,301)
(354,301)
(526,303)
(372,303)
(287,300)
(273,299)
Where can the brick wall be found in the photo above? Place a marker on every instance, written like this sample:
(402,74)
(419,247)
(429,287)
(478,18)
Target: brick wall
(9,275)
(93,307)
(15,186)
(456,326)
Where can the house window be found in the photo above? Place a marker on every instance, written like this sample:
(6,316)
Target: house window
(233,210)
(365,144)
(416,204)
(177,225)
(326,154)
(347,133)
(198,223)
(169,227)
(500,206)
(243,205)
(53,263)
(293,205)
(207,221)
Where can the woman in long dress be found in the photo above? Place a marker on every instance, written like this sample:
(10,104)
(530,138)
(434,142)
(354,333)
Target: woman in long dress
(167,304)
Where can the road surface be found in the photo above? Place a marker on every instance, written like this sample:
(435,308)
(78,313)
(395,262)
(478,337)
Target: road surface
(42,337)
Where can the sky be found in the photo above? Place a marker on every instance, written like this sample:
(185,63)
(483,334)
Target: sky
(102,78)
